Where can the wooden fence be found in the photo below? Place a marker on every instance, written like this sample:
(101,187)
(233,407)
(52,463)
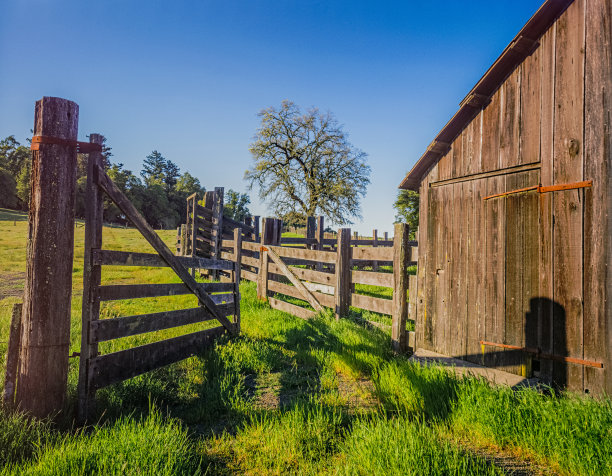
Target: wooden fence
(322,272)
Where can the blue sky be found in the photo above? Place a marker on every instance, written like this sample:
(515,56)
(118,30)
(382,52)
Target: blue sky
(188,78)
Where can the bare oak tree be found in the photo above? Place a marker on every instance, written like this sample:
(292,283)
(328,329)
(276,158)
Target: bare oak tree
(305,164)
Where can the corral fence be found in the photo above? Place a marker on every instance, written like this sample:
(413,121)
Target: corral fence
(319,271)
(36,379)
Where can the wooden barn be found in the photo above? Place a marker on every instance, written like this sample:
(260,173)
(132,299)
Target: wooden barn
(516,210)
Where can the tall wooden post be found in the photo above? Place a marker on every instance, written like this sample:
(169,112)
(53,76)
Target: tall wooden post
(92,275)
(320,238)
(386,236)
(343,273)
(217,226)
(45,339)
(237,272)
(401,258)
(375,244)
(311,231)
(256,226)
(262,276)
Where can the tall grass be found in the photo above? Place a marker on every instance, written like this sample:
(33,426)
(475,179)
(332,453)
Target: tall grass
(152,446)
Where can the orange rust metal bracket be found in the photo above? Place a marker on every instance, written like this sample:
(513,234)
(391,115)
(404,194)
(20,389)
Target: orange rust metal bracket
(82,147)
(541,189)
(542,355)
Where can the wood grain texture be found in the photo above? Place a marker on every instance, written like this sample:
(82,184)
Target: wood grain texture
(92,274)
(12,357)
(374,304)
(510,120)
(291,308)
(343,273)
(118,366)
(568,205)
(288,290)
(597,163)
(399,308)
(45,339)
(129,258)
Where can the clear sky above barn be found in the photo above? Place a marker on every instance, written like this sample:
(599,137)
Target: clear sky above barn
(187,78)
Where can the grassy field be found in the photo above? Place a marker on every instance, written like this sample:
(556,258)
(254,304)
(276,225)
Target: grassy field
(289,397)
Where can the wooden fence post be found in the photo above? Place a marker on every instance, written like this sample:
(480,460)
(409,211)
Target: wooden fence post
(343,273)
(92,275)
(375,244)
(237,273)
(218,226)
(262,276)
(311,231)
(45,338)
(401,257)
(256,226)
(320,238)
(12,357)
(386,236)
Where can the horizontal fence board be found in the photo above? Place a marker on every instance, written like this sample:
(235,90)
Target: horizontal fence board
(371,278)
(114,292)
(291,308)
(227,243)
(234,224)
(362,242)
(251,245)
(292,291)
(108,329)
(227,256)
(298,240)
(304,254)
(204,211)
(374,304)
(107,369)
(244,274)
(250,261)
(306,274)
(365,263)
(127,258)
(322,288)
(382,253)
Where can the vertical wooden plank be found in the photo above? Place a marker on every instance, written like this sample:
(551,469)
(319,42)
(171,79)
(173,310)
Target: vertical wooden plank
(472,146)
(429,275)
(545,261)
(531,247)
(510,122)
(445,166)
(568,205)
(490,133)
(320,238)
(514,271)
(311,229)
(43,362)
(256,226)
(401,257)
(218,226)
(443,242)
(262,274)
(457,156)
(495,258)
(530,113)
(424,261)
(92,274)
(343,273)
(477,276)
(237,269)
(12,357)
(375,244)
(598,90)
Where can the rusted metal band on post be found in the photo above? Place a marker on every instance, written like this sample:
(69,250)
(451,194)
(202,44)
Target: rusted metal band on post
(539,354)
(82,147)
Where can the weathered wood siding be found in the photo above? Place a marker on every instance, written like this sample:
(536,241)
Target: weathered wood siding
(527,269)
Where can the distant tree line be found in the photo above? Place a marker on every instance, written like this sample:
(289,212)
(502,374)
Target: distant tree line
(159,193)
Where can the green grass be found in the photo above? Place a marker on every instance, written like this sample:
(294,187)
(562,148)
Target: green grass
(288,396)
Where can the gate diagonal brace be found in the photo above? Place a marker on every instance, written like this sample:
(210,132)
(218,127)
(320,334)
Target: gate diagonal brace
(547,189)
(293,278)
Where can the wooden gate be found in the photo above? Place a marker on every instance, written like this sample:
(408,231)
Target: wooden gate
(97,371)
